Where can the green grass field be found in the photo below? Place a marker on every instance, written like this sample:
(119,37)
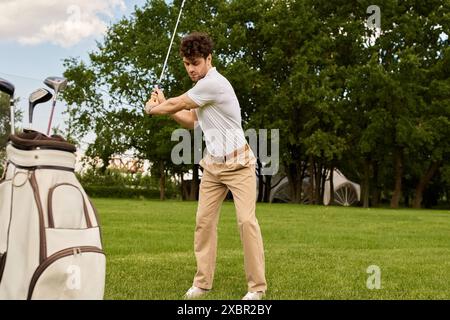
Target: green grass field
(312,252)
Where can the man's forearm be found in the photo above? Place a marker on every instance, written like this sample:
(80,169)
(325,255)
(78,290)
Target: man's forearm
(168,107)
(184,118)
(179,108)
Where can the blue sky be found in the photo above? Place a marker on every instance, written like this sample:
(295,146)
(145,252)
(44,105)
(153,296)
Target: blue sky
(37,35)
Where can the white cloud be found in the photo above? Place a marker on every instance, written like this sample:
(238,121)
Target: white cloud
(61,22)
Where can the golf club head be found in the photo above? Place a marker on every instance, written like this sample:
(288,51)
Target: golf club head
(6,87)
(39,96)
(56,83)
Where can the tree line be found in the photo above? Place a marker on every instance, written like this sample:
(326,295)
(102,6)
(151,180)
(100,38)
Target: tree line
(376,106)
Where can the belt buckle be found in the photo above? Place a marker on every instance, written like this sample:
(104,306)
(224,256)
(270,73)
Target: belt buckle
(223,159)
(219,159)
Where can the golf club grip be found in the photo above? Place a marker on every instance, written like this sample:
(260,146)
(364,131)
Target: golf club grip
(156,86)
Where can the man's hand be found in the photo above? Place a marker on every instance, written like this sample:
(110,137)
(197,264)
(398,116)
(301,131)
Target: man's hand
(156,99)
(159,94)
(151,103)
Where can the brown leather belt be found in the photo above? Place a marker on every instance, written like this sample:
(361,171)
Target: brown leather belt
(231,155)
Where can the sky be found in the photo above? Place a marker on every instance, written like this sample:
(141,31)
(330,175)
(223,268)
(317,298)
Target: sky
(37,35)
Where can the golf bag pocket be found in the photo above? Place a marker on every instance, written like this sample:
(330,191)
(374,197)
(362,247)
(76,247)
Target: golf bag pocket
(61,239)
(74,267)
(68,274)
(67,207)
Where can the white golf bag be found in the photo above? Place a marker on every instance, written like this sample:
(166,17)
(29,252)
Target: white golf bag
(50,241)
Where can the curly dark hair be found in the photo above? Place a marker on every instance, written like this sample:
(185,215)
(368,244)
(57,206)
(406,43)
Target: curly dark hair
(196,45)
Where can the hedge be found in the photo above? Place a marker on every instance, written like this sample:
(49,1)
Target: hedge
(123,192)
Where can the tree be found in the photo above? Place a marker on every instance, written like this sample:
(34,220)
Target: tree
(390,93)
(5,126)
(5,120)
(378,112)
(125,66)
(412,48)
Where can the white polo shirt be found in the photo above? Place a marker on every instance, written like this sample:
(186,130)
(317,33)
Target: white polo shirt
(219,113)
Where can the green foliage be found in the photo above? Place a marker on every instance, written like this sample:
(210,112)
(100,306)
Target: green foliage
(5,119)
(116,184)
(304,67)
(122,192)
(5,127)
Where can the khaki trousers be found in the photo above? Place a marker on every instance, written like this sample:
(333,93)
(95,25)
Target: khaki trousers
(237,175)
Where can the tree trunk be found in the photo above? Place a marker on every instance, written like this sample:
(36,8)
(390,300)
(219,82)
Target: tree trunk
(424,180)
(398,178)
(376,189)
(405,199)
(295,183)
(311,180)
(260,182)
(303,170)
(267,188)
(194,183)
(323,178)
(331,185)
(162,181)
(183,188)
(366,183)
(105,163)
(317,183)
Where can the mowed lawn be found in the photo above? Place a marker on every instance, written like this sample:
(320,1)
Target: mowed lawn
(312,252)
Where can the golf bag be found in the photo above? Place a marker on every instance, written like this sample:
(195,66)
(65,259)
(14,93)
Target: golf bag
(50,240)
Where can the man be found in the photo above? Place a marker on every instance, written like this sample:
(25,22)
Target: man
(228,165)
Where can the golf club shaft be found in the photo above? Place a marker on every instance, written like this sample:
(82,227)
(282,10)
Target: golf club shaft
(30,116)
(12,116)
(51,115)
(171,42)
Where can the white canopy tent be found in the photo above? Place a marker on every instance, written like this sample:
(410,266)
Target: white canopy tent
(346,192)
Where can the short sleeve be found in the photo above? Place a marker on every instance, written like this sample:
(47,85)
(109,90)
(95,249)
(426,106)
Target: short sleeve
(205,92)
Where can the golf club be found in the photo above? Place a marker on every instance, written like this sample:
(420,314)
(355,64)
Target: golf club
(39,96)
(57,84)
(158,85)
(170,46)
(8,88)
